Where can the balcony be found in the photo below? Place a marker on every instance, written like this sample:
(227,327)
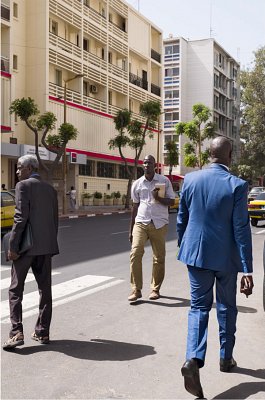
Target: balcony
(120,73)
(136,80)
(96,104)
(4,64)
(5,12)
(58,91)
(64,45)
(155,89)
(95,16)
(118,31)
(94,60)
(155,56)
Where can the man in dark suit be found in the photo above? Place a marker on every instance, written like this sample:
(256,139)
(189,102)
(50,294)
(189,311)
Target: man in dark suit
(36,204)
(214,237)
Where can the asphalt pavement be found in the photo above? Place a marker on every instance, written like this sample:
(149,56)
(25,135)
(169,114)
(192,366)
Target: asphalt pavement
(103,347)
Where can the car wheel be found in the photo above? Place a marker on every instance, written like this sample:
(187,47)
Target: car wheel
(253,222)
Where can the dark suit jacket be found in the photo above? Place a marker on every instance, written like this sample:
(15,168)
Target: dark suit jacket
(36,202)
(213,224)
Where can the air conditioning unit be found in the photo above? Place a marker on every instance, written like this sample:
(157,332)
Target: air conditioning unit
(93,89)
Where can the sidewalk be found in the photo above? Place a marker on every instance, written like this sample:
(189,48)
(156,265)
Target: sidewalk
(92,211)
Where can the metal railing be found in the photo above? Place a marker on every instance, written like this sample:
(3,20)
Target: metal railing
(155,89)
(136,80)
(155,55)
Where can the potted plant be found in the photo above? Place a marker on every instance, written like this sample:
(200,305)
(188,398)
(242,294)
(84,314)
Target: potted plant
(97,200)
(87,199)
(117,201)
(108,200)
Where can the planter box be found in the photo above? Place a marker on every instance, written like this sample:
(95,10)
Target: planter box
(88,201)
(98,202)
(117,202)
(108,202)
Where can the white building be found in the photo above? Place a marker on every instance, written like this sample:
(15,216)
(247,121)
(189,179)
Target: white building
(199,71)
(48,42)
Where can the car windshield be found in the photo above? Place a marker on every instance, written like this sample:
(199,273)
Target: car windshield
(257,189)
(261,196)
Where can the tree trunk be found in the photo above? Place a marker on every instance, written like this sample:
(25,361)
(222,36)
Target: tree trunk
(128,195)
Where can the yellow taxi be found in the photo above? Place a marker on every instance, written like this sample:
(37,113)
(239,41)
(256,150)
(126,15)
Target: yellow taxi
(7,210)
(256,209)
(176,204)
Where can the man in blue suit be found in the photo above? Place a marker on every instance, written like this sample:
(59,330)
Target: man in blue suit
(214,237)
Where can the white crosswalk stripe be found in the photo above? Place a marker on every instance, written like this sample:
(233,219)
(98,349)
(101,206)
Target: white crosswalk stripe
(62,293)
(5,283)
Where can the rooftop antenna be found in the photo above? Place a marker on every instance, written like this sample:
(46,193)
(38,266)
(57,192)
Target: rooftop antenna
(211,14)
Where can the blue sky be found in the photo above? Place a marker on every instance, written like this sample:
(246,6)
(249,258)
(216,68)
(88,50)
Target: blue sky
(237,25)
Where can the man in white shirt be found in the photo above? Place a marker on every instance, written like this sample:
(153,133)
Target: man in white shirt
(149,220)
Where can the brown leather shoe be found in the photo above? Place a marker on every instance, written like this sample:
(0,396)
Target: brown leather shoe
(14,341)
(154,295)
(136,294)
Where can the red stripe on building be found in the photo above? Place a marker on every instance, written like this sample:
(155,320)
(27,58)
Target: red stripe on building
(6,74)
(5,128)
(101,155)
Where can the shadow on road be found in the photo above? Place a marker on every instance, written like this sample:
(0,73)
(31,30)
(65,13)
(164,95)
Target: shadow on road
(242,391)
(180,302)
(95,349)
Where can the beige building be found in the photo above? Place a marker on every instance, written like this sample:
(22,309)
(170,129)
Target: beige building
(106,53)
(199,71)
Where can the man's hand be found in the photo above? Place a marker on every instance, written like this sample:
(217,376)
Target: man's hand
(155,193)
(246,285)
(12,256)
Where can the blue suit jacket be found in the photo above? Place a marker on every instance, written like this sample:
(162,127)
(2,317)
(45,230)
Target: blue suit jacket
(213,223)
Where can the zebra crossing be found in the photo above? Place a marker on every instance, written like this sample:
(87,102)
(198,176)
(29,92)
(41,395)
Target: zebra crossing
(62,293)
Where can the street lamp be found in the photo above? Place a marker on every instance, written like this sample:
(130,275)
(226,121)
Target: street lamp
(64,153)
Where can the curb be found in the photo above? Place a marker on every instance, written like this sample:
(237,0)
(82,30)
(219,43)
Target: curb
(93,214)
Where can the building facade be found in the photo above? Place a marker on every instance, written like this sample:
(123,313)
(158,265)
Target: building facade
(108,56)
(199,71)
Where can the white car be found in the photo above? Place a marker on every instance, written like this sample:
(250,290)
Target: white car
(254,192)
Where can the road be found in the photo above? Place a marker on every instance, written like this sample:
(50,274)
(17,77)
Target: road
(104,348)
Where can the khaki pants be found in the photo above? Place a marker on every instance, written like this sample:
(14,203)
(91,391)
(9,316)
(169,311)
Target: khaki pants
(157,237)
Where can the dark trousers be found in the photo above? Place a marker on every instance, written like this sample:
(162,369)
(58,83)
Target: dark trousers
(201,284)
(41,268)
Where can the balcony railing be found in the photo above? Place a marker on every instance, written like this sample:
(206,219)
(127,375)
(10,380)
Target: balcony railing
(155,55)
(4,64)
(5,12)
(136,80)
(96,104)
(113,69)
(93,59)
(65,45)
(155,89)
(58,91)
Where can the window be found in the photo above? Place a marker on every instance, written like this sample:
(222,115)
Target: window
(86,88)
(110,97)
(172,49)
(86,169)
(54,27)
(86,44)
(172,116)
(171,71)
(110,17)
(123,65)
(15,10)
(105,170)
(86,3)
(15,61)
(110,57)
(103,54)
(7,199)
(124,175)
(58,77)
(171,94)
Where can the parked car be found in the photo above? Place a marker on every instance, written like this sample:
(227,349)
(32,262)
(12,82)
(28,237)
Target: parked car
(7,210)
(176,204)
(255,191)
(256,209)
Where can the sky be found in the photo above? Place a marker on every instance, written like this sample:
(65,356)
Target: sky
(237,25)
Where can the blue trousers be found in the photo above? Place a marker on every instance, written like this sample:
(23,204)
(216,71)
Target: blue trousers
(201,285)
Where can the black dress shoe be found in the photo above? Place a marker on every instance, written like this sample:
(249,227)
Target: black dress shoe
(227,365)
(190,371)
